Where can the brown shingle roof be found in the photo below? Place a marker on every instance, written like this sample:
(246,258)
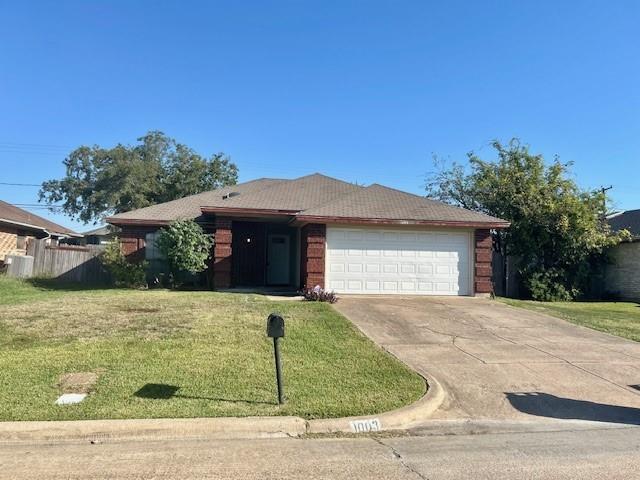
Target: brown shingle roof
(298,194)
(12,214)
(384,203)
(189,207)
(629,220)
(314,196)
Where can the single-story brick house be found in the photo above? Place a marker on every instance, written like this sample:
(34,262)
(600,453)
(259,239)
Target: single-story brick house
(317,230)
(18,226)
(623,274)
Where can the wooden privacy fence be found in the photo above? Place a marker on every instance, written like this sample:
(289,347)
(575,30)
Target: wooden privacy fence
(67,263)
(506,279)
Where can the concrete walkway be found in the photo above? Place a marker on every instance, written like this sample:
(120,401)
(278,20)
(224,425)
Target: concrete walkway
(501,362)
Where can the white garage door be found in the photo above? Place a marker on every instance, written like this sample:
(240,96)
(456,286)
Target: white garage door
(379,261)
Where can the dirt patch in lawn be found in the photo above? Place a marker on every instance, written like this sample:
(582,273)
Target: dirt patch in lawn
(87,317)
(78,382)
(141,309)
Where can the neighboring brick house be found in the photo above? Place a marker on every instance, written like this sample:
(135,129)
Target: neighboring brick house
(18,226)
(623,274)
(317,230)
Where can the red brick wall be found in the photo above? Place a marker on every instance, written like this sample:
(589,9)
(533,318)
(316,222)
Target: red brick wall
(313,239)
(132,242)
(483,254)
(222,253)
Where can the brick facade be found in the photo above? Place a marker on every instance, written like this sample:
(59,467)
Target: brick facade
(133,242)
(222,252)
(482,264)
(312,251)
(623,274)
(312,255)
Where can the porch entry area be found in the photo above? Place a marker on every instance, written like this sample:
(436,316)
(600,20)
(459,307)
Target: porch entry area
(265,254)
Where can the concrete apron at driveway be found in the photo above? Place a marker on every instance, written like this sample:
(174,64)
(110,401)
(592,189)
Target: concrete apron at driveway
(500,362)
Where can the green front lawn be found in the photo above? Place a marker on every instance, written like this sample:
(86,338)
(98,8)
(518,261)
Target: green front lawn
(616,318)
(165,353)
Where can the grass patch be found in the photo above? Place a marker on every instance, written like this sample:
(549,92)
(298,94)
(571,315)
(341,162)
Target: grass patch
(162,353)
(617,318)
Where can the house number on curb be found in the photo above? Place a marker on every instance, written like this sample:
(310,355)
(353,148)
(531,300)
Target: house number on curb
(368,425)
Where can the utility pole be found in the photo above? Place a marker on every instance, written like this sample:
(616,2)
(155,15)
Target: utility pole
(604,191)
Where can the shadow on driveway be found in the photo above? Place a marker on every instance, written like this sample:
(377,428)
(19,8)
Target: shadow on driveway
(547,405)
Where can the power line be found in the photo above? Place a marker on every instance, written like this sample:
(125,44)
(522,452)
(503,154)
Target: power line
(22,184)
(35,205)
(45,145)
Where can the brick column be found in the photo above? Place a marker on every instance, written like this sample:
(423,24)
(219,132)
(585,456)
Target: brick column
(222,253)
(313,239)
(483,284)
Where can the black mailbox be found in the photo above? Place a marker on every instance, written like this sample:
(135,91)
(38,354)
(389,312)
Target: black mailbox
(275,326)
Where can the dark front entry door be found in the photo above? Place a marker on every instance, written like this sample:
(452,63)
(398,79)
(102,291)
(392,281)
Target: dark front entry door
(278,259)
(248,247)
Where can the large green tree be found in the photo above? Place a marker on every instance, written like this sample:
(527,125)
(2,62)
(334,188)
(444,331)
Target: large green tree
(557,232)
(103,181)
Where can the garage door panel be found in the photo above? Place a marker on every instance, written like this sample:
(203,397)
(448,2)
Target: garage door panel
(372,285)
(383,261)
(336,267)
(425,269)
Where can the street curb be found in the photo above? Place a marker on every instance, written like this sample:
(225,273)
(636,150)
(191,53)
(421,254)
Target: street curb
(96,431)
(410,416)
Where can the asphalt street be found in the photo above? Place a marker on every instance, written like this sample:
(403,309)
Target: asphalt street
(474,451)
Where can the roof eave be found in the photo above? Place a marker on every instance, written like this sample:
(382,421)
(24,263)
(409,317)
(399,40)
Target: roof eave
(241,211)
(23,225)
(389,221)
(137,221)
(29,226)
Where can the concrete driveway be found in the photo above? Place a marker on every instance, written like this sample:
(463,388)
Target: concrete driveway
(500,362)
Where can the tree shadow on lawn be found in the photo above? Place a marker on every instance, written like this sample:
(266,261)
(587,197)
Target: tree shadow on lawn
(547,405)
(44,283)
(59,284)
(160,391)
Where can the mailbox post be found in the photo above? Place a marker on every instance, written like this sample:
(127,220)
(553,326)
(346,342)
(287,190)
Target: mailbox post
(275,330)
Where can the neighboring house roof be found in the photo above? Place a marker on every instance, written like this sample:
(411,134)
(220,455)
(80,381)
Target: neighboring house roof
(10,214)
(628,220)
(100,231)
(313,198)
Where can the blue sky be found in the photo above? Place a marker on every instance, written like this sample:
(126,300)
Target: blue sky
(364,91)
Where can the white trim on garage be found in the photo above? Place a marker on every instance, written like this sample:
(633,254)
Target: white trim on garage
(401,261)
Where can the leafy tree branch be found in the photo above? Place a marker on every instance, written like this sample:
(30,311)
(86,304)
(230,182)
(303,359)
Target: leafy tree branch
(557,229)
(103,181)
